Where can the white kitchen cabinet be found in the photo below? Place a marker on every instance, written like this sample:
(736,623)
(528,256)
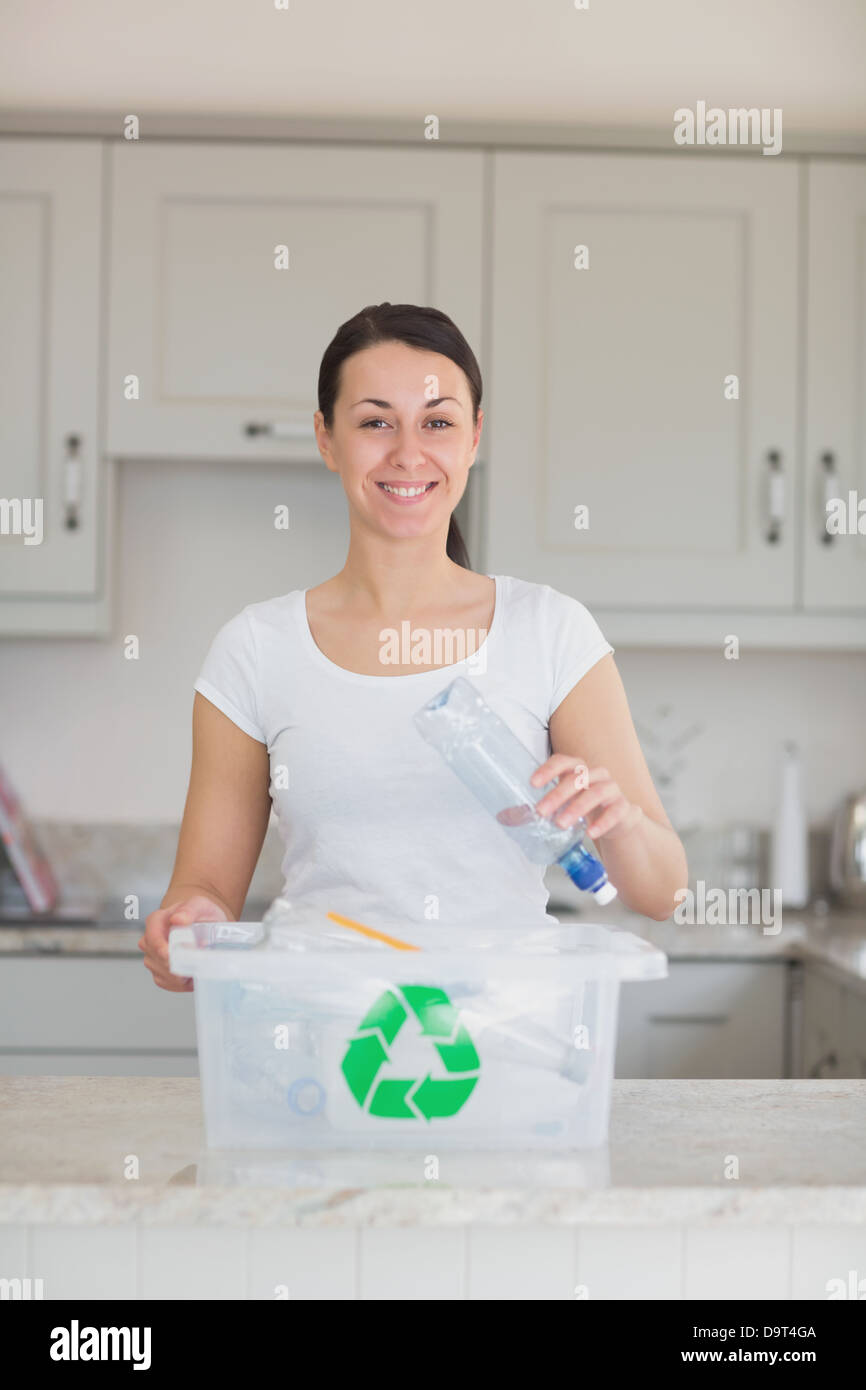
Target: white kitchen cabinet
(50,285)
(609,378)
(854,1034)
(822,1055)
(724,1019)
(835,453)
(834,1025)
(89,1015)
(213,337)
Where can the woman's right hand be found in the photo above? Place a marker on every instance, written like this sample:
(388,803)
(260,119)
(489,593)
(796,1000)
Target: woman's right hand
(154,942)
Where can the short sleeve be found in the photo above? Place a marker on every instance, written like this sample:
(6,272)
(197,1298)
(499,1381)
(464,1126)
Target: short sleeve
(228,677)
(576,642)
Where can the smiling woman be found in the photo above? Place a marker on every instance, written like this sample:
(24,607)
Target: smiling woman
(304,704)
(412,464)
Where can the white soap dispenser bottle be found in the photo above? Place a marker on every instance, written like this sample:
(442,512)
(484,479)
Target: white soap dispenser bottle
(790,840)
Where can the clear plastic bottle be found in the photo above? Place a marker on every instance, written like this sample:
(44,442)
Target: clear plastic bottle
(496,766)
(502,1032)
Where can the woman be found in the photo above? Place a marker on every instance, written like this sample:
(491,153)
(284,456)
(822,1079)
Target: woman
(305,701)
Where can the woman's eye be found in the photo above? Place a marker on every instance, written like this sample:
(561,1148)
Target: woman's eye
(436,420)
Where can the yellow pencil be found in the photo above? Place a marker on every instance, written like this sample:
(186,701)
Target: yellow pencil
(371,932)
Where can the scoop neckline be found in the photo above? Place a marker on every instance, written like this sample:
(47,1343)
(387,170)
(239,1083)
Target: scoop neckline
(361,677)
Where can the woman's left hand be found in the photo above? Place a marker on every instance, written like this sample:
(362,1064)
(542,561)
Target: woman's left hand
(588,792)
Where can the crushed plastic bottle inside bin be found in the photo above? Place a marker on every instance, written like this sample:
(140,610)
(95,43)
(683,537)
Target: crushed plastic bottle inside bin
(492,1013)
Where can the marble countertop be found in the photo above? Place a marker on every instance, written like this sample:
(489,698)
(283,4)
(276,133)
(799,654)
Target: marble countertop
(835,939)
(66,1144)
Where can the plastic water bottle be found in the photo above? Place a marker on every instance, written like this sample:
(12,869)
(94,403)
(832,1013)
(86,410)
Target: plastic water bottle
(496,766)
(520,1041)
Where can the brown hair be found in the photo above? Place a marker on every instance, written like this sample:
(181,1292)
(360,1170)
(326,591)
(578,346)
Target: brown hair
(420,327)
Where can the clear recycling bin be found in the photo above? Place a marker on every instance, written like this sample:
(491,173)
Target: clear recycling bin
(495,1038)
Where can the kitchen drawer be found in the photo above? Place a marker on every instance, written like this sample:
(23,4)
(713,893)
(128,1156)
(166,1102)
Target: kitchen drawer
(92,1004)
(707,1019)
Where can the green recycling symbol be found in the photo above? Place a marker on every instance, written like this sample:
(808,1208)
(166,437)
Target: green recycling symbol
(408,1099)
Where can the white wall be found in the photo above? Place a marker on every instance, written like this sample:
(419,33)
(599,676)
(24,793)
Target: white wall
(90,736)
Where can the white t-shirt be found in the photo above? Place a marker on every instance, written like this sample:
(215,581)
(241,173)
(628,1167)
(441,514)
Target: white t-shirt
(375,824)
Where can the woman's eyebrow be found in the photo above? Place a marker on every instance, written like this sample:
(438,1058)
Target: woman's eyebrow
(386,405)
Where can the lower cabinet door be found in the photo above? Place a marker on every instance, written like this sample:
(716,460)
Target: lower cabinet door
(823,1012)
(718,1019)
(854,1034)
(92,1016)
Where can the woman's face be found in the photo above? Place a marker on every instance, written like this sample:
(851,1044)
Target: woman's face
(402,438)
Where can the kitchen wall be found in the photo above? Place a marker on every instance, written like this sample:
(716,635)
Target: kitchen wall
(91,736)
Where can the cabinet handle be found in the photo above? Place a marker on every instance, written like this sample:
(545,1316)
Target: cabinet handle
(830,490)
(72,482)
(775,497)
(281,429)
(690,1018)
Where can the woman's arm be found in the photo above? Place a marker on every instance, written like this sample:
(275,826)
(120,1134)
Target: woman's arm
(224,823)
(226,814)
(642,853)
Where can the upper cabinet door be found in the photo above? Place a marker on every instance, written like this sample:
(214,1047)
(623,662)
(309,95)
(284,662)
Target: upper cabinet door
(834,541)
(211,330)
(613,380)
(50,247)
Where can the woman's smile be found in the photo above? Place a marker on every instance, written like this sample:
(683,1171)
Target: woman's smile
(406,494)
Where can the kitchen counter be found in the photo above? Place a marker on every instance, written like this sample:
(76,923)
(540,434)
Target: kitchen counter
(800,1145)
(107,1193)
